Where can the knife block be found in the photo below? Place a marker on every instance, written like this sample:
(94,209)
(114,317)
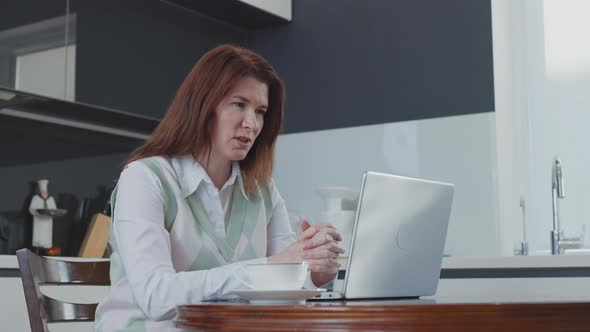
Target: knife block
(96,238)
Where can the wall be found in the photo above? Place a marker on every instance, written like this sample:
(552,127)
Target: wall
(137,61)
(558,81)
(361,51)
(459,149)
(134,63)
(30,11)
(541,112)
(360,79)
(509,87)
(349,64)
(393,60)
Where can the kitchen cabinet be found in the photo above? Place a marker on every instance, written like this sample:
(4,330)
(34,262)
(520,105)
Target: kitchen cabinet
(36,129)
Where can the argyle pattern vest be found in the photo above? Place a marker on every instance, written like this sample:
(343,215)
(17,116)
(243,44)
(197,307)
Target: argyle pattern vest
(213,250)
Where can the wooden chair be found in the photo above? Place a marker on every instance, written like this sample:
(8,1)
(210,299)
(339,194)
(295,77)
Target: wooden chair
(36,270)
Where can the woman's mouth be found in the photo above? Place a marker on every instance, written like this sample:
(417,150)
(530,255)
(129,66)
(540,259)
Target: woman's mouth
(243,142)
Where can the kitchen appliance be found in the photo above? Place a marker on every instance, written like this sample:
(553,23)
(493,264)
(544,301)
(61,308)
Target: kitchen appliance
(336,213)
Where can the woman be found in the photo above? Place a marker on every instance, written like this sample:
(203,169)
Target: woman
(196,201)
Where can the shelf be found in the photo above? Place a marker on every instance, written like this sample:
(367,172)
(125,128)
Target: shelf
(235,12)
(36,129)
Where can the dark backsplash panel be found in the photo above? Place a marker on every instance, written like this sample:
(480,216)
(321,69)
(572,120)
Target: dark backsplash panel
(132,55)
(21,12)
(350,63)
(345,62)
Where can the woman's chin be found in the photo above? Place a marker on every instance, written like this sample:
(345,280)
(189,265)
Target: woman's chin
(239,155)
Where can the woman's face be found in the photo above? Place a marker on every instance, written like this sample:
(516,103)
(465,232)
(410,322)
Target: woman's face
(239,118)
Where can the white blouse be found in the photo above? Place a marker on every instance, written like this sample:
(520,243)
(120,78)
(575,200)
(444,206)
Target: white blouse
(157,275)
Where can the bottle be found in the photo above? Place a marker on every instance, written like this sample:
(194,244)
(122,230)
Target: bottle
(336,214)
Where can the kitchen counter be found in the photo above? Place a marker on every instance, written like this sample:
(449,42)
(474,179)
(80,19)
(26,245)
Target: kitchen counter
(507,262)
(9,264)
(455,263)
(516,267)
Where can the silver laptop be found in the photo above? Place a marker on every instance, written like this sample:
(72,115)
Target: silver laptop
(398,239)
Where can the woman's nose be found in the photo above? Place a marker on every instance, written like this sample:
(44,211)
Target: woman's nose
(249,120)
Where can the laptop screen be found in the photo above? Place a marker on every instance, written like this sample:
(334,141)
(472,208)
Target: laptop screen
(398,238)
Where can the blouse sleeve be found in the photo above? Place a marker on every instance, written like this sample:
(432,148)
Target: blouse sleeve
(143,244)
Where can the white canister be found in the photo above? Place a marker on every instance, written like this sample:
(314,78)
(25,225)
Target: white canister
(335,214)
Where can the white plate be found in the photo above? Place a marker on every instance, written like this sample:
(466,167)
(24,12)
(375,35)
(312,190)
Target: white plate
(278,296)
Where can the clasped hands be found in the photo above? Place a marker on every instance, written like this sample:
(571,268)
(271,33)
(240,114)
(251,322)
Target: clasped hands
(316,244)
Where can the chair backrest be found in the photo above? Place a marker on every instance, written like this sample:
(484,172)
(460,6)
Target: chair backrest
(36,270)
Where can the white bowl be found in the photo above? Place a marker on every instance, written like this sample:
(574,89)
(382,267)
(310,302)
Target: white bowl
(277,275)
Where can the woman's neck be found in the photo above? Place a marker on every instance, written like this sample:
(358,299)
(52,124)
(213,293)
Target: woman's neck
(218,170)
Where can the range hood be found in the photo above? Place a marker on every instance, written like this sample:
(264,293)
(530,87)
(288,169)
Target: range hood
(249,14)
(36,129)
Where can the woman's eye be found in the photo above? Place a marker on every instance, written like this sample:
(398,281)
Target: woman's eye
(261,111)
(240,104)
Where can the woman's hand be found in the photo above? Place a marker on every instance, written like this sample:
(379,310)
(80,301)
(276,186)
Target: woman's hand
(293,253)
(320,251)
(316,244)
(319,246)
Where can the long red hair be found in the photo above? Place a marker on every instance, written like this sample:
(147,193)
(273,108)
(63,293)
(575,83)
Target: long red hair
(187,125)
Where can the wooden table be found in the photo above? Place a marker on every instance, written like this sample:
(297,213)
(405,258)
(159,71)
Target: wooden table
(417,315)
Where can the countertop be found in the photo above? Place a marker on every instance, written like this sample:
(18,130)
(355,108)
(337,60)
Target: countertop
(499,262)
(9,261)
(510,262)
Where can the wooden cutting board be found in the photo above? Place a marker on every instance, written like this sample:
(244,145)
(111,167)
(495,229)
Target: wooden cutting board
(97,237)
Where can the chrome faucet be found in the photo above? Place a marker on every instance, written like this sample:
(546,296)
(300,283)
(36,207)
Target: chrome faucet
(559,243)
(556,193)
